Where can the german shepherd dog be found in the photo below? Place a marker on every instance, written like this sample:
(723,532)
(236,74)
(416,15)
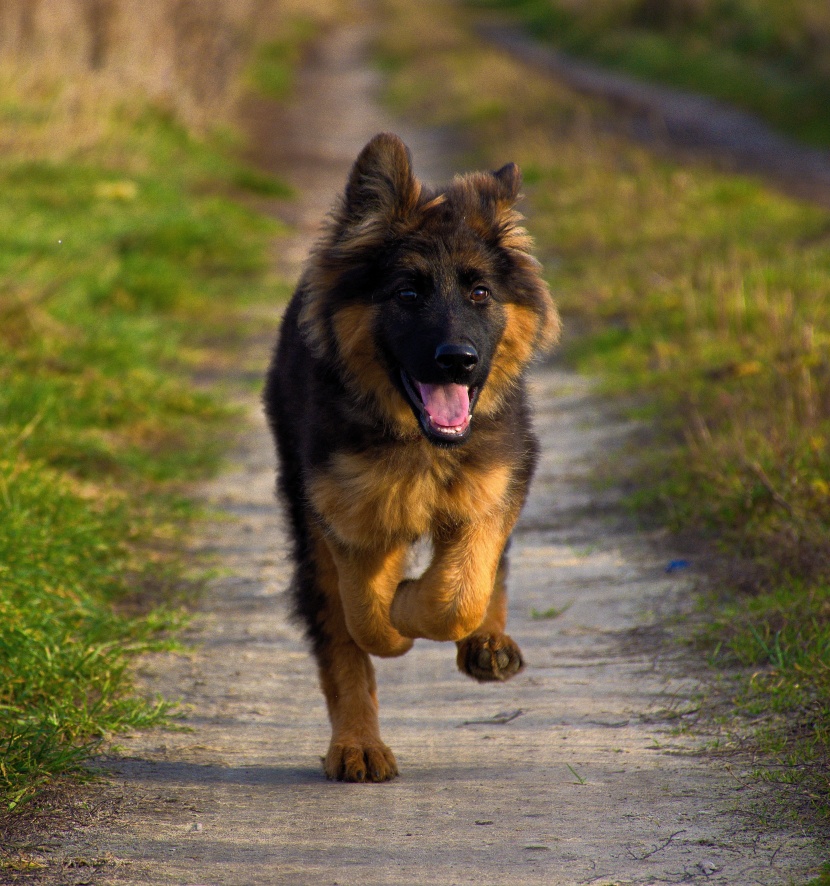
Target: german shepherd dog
(397,399)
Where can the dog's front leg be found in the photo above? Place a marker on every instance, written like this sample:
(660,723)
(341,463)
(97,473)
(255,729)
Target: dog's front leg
(451,599)
(489,653)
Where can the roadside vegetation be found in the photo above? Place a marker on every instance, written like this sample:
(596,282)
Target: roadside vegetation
(704,298)
(133,246)
(766,56)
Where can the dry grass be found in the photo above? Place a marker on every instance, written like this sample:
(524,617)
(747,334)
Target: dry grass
(706,290)
(65,63)
(795,30)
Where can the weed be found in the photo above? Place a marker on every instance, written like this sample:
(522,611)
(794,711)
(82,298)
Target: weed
(576,775)
(823,879)
(125,270)
(552,612)
(272,70)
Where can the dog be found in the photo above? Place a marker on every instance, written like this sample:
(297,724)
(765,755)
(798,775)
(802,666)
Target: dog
(397,400)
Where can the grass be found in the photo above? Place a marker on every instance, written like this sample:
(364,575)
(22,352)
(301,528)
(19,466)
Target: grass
(188,58)
(550,613)
(271,72)
(576,775)
(63,649)
(115,277)
(704,297)
(133,256)
(823,878)
(131,263)
(766,56)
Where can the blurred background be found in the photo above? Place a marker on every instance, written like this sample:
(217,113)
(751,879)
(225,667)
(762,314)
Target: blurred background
(183,55)
(768,56)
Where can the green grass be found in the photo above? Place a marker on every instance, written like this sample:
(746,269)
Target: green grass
(767,56)
(124,270)
(576,775)
(550,613)
(63,649)
(823,878)
(705,299)
(271,71)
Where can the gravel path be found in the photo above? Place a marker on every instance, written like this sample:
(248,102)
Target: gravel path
(570,774)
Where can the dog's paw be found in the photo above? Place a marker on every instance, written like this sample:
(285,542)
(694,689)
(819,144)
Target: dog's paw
(486,657)
(359,762)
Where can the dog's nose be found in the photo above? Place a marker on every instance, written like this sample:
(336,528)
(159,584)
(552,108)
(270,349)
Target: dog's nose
(456,356)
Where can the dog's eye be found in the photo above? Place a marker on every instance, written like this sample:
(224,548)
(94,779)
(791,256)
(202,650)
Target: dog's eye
(480,294)
(407,296)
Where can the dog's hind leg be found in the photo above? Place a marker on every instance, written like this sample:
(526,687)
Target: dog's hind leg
(347,678)
(488,653)
(368,580)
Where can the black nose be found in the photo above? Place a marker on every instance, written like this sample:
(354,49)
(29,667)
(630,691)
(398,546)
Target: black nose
(460,357)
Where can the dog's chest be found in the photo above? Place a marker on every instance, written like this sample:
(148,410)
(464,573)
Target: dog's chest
(371,499)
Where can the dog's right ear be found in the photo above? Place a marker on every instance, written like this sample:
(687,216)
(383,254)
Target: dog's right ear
(382,181)
(510,181)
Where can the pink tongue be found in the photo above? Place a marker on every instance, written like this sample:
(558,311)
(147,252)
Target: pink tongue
(447,405)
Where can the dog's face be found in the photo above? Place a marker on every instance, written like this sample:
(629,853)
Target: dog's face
(429,303)
(440,323)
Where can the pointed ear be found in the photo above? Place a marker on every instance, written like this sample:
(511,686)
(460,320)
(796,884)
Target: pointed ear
(510,181)
(381,180)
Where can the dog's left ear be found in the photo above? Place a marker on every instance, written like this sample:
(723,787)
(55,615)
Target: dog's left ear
(510,181)
(381,180)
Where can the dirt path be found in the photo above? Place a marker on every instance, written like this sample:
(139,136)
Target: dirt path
(570,774)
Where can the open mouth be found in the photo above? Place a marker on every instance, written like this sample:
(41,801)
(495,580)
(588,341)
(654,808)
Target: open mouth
(445,411)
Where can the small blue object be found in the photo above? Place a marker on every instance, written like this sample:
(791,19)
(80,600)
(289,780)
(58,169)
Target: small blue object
(677,565)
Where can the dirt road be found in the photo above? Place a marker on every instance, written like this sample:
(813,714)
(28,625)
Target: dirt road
(570,774)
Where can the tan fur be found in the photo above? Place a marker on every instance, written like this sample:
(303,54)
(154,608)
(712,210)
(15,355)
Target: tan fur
(392,480)
(367,502)
(434,203)
(466,510)
(513,353)
(489,653)
(367,581)
(450,600)
(495,619)
(347,678)
(525,334)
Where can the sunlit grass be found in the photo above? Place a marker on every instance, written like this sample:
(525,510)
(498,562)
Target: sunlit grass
(124,271)
(132,270)
(64,651)
(275,62)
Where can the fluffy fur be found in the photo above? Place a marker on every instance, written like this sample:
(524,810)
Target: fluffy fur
(397,400)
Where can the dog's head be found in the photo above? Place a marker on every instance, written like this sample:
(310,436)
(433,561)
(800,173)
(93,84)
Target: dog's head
(428,302)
